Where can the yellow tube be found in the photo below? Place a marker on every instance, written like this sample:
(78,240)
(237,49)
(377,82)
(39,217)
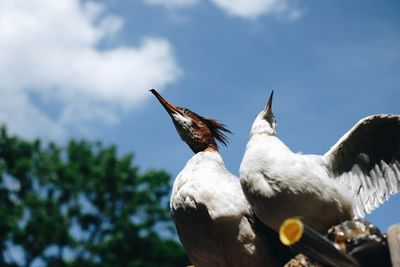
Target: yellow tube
(291,231)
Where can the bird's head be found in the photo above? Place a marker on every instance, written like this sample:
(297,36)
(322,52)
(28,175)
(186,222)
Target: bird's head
(198,132)
(265,121)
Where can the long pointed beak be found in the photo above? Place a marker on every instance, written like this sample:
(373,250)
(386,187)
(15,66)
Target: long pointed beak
(169,107)
(268,107)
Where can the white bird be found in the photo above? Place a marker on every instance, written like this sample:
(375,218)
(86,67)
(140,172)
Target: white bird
(212,217)
(354,177)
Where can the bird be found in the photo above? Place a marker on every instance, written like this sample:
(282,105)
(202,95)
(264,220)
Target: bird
(356,175)
(213,219)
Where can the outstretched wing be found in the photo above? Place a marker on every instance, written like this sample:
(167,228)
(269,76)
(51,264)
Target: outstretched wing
(367,161)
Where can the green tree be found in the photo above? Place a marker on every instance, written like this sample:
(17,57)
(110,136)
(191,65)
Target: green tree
(82,205)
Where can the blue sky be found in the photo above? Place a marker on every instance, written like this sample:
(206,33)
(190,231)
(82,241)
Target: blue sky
(72,68)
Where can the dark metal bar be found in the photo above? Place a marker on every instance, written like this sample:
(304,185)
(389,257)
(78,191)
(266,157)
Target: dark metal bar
(309,242)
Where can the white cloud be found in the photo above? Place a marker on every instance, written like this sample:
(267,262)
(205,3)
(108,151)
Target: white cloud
(247,9)
(22,117)
(50,49)
(251,9)
(172,3)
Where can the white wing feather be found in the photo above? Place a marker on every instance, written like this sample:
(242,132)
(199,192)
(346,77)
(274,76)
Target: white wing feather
(367,161)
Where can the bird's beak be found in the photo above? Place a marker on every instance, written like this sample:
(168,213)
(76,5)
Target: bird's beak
(169,107)
(268,107)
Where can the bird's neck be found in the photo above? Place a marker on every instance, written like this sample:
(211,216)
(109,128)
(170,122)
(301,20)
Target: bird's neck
(206,156)
(269,144)
(203,147)
(209,152)
(204,165)
(261,126)
(211,148)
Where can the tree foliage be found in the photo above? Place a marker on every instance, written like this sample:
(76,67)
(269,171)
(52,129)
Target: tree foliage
(81,205)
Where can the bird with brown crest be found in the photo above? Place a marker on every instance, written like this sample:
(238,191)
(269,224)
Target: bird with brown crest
(213,219)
